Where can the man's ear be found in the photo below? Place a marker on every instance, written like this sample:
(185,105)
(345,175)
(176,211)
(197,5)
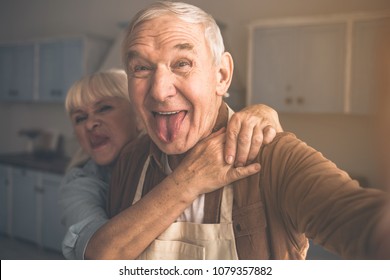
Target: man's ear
(225,73)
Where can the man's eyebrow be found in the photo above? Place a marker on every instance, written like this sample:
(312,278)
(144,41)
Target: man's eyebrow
(184,46)
(132,54)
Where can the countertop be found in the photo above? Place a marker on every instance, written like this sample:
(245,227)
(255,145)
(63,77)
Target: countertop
(52,164)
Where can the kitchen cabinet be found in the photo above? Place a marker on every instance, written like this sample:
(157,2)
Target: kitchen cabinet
(316,65)
(4,203)
(52,230)
(29,206)
(299,68)
(366,62)
(64,61)
(43,70)
(17,71)
(24,204)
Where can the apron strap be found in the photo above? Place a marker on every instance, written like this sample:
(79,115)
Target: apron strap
(141,181)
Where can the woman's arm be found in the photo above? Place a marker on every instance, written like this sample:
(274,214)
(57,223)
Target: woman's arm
(83,197)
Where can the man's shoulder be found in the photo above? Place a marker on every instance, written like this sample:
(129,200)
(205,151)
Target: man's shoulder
(135,149)
(283,137)
(285,143)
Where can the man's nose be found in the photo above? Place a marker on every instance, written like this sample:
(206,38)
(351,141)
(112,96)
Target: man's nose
(162,84)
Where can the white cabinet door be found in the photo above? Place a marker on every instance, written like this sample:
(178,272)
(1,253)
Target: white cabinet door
(273,82)
(367,53)
(299,68)
(17,72)
(61,64)
(24,204)
(4,203)
(52,230)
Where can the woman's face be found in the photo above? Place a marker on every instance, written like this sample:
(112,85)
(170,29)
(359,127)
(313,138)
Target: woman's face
(104,127)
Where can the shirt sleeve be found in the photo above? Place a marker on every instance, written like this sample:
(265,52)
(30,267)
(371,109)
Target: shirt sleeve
(320,200)
(83,196)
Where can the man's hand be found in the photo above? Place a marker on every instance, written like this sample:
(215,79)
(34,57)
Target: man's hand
(247,130)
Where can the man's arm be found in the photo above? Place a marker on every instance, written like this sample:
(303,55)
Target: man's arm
(203,170)
(262,119)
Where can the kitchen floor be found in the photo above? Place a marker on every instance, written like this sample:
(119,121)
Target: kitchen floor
(15,249)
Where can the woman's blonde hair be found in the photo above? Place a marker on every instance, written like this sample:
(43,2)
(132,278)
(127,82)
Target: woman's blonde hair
(110,83)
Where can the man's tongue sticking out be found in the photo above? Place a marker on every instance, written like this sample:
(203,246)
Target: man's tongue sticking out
(168,125)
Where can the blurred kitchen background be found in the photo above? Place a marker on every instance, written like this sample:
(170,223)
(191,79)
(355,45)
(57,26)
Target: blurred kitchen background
(324,65)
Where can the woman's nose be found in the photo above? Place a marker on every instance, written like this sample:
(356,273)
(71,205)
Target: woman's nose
(162,84)
(92,123)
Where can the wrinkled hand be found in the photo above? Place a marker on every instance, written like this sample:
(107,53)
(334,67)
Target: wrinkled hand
(204,168)
(247,130)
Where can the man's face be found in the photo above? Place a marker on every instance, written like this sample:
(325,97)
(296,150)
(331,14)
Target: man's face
(173,82)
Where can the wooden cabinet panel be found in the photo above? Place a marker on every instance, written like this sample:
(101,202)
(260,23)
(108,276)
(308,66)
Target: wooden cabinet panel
(53,231)
(4,203)
(24,204)
(29,207)
(61,64)
(299,68)
(367,56)
(318,65)
(17,72)
(44,70)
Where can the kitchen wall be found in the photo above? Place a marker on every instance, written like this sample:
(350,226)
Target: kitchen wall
(348,140)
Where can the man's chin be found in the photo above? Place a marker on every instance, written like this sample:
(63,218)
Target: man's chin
(172,147)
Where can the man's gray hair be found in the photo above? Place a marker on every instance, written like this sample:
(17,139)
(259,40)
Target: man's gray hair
(185,12)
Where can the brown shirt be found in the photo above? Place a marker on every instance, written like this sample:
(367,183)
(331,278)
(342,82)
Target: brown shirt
(298,194)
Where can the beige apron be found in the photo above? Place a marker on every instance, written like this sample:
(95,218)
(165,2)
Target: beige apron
(192,241)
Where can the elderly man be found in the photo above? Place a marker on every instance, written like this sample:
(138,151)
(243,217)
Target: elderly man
(178,73)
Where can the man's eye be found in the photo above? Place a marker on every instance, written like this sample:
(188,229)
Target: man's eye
(140,68)
(139,71)
(182,65)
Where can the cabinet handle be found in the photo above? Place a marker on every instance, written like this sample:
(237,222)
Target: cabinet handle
(13,92)
(56,92)
(288,100)
(300,100)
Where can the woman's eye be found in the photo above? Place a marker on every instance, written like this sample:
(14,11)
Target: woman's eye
(105,108)
(79,119)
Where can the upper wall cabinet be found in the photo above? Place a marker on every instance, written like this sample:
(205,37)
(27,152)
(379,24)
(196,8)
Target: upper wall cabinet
(62,62)
(315,65)
(299,68)
(17,71)
(44,70)
(369,43)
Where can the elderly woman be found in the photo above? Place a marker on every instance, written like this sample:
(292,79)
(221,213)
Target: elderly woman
(103,121)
